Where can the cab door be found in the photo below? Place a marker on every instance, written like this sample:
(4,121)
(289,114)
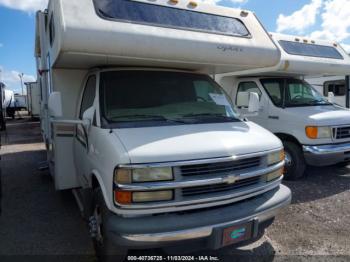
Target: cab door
(253,87)
(83,138)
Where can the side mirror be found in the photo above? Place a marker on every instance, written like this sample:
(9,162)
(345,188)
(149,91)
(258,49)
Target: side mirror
(88,117)
(242,99)
(55,105)
(331,97)
(254,103)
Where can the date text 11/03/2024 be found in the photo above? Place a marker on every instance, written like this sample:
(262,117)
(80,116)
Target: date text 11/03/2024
(172,258)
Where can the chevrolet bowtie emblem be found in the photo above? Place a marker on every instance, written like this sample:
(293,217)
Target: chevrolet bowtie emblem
(230,179)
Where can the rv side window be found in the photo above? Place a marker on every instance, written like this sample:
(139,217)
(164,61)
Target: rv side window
(302,49)
(248,87)
(88,96)
(164,16)
(52,30)
(337,88)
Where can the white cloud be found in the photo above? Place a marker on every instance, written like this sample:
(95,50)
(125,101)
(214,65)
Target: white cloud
(25,5)
(12,80)
(301,19)
(335,21)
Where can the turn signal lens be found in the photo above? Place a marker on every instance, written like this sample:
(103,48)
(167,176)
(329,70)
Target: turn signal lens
(122,197)
(311,132)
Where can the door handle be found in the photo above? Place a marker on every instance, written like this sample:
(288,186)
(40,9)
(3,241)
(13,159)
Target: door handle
(274,117)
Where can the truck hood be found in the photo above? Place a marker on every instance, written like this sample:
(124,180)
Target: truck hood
(320,115)
(191,142)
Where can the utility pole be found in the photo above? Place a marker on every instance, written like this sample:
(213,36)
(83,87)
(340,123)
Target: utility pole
(21,77)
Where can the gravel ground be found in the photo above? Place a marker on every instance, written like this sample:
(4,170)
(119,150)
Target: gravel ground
(38,223)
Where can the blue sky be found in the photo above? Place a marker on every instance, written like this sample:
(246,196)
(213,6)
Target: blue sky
(328,19)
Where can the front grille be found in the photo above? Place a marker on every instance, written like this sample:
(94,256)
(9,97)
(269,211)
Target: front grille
(341,132)
(220,168)
(195,191)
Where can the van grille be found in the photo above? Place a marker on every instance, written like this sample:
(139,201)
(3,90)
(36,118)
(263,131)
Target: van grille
(220,168)
(341,132)
(195,191)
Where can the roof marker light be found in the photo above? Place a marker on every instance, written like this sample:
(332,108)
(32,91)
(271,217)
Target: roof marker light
(174,2)
(335,44)
(297,39)
(305,41)
(193,4)
(244,13)
(312,41)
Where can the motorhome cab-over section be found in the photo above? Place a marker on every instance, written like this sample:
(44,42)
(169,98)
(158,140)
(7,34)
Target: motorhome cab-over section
(314,131)
(133,123)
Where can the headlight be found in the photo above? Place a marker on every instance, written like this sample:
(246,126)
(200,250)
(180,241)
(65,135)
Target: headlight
(142,197)
(315,132)
(127,176)
(275,157)
(274,175)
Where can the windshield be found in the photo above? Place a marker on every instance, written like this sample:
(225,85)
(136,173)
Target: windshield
(292,93)
(153,98)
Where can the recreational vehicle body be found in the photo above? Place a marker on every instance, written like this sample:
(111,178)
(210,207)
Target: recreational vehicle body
(336,84)
(313,130)
(34,97)
(151,145)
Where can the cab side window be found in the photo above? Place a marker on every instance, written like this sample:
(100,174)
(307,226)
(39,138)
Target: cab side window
(88,96)
(250,87)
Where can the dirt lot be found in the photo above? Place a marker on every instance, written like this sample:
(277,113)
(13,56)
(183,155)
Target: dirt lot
(38,222)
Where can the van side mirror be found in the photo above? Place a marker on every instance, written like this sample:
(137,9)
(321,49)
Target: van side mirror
(242,99)
(331,97)
(88,117)
(55,105)
(254,102)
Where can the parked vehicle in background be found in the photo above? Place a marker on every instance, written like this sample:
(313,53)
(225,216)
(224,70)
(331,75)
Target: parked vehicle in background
(7,96)
(34,97)
(313,130)
(20,102)
(334,84)
(157,156)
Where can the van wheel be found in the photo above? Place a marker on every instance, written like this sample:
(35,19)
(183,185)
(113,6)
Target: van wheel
(295,162)
(105,249)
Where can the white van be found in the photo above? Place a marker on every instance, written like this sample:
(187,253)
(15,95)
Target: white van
(151,145)
(313,130)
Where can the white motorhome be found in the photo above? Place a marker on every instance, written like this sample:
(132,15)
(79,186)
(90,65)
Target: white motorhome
(313,130)
(335,84)
(151,145)
(34,97)
(7,97)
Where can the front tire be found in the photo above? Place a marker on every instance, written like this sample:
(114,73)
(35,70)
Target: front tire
(295,162)
(105,249)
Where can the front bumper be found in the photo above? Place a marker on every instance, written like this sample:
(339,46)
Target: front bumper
(326,155)
(203,227)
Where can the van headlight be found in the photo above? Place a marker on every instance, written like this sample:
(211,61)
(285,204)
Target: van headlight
(275,157)
(316,132)
(139,175)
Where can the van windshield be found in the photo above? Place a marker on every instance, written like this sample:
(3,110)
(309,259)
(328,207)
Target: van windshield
(292,93)
(154,98)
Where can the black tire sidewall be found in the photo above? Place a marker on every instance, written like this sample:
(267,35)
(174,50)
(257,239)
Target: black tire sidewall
(297,169)
(107,250)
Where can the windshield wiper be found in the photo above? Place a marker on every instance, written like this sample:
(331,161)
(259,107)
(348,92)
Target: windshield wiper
(209,115)
(147,118)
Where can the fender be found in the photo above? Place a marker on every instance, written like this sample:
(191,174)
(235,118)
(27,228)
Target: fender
(98,177)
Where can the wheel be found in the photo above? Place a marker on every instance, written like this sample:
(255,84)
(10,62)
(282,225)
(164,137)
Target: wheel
(106,250)
(295,162)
